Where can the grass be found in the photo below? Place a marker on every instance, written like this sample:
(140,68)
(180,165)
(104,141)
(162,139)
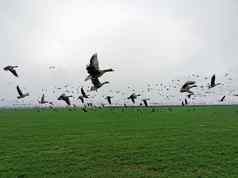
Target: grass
(110,143)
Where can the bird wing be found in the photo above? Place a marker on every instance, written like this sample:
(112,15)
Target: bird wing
(222,99)
(94,61)
(109,100)
(14,72)
(6,68)
(67,100)
(83,93)
(19,91)
(43,98)
(213,80)
(133,99)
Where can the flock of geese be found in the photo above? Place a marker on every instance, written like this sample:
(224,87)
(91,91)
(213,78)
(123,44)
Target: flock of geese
(94,75)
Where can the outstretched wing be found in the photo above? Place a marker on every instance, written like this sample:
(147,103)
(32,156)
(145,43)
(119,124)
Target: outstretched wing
(14,72)
(213,80)
(94,61)
(19,91)
(83,93)
(43,98)
(133,100)
(67,100)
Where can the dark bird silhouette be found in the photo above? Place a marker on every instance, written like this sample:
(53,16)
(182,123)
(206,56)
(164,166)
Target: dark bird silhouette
(133,97)
(21,94)
(11,69)
(84,93)
(97,84)
(213,82)
(145,101)
(109,99)
(43,101)
(65,98)
(187,87)
(223,98)
(94,70)
(186,101)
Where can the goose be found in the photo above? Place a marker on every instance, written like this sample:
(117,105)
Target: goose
(94,70)
(84,95)
(187,86)
(133,97)
(213,82)
(11,69)
(145,101)
(186,101)
(97,84)
(43,101)
(222,99)
(109,99)
(65,98)
(21,94)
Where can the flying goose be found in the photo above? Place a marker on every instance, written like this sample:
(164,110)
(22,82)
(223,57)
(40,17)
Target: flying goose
(186,101)
(222,99)
(93,68)
(187,86)
(213,82)
(97,84)
(84,95)
(11,69)
(133,97)
(21,94)
(43,101)
(145,101)
(109,99)
(65,98)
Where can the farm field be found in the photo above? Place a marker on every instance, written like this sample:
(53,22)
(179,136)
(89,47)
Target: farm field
(196,142)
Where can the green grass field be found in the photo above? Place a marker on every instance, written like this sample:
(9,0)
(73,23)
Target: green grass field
(184,142)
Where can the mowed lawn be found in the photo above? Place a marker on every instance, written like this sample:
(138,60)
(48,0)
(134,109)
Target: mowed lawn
(183,142)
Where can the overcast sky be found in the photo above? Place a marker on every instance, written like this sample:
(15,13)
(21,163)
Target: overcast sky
(150,41)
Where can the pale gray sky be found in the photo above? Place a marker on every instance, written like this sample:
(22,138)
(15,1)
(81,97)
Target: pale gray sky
(148,41)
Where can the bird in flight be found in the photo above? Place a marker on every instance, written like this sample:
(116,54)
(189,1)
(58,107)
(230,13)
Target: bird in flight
(187,87)
(21,94)
(222,99)
(43,101)
(145,101)
(65,98)
(109,99)
(213,82)
(133,97)
(84,93)
(94,70)
(11,69)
